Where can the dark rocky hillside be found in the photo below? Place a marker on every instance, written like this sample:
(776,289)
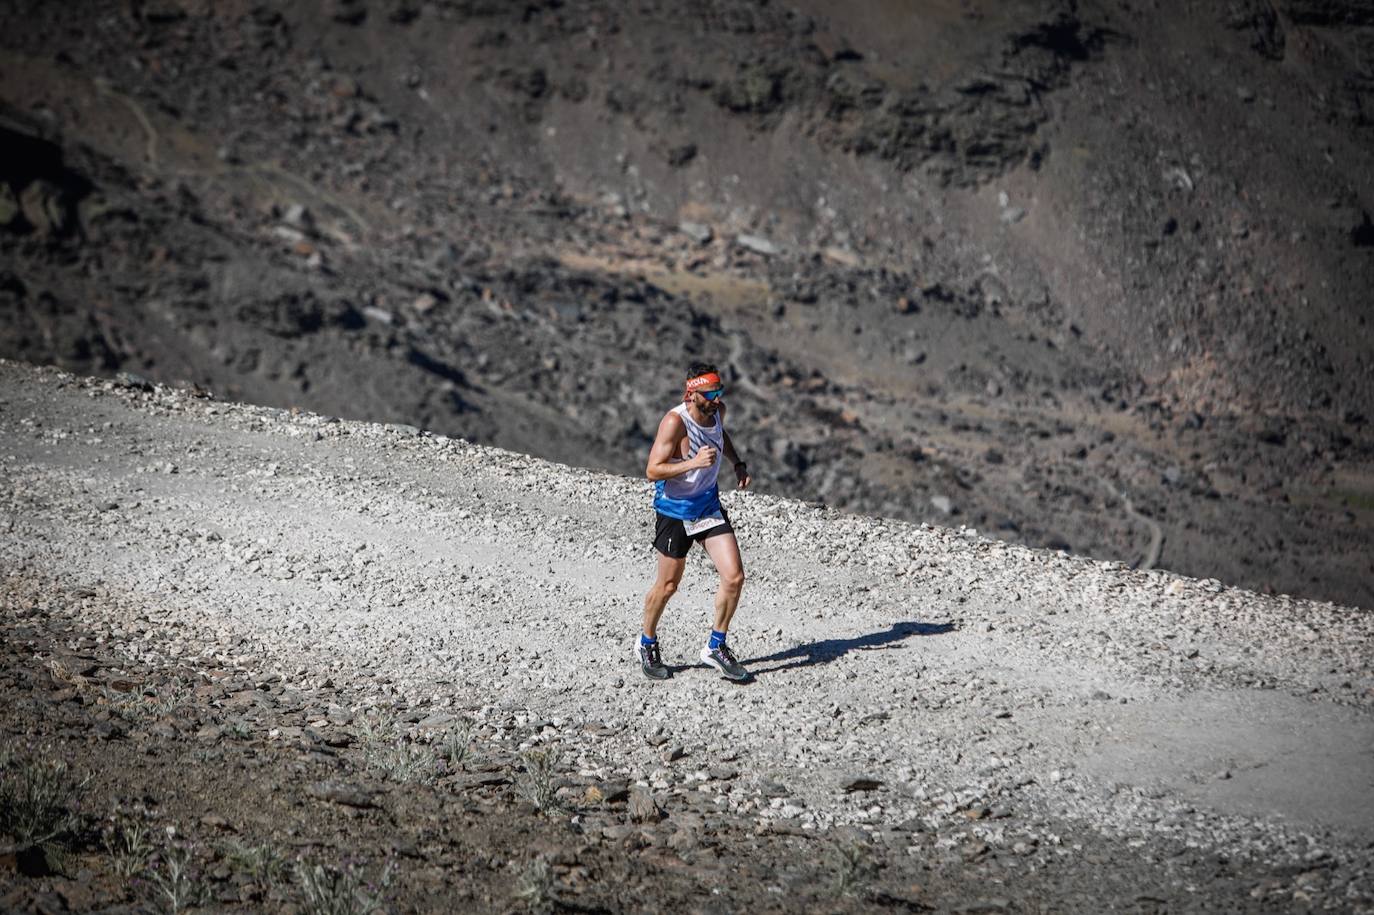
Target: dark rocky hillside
(1086,275)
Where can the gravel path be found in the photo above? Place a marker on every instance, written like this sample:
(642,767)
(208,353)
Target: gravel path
(905,675)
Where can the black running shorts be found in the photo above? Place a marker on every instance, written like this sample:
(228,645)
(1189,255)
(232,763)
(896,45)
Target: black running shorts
(670,537)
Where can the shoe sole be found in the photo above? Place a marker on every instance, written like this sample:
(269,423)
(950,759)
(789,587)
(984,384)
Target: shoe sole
(738,678)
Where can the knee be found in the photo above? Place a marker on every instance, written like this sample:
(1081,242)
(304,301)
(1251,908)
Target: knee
(668,588)
(733,580)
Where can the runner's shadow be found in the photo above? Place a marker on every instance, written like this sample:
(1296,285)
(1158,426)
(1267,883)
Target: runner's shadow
(827,650)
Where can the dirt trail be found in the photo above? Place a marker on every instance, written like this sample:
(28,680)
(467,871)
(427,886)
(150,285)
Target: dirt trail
(938,672)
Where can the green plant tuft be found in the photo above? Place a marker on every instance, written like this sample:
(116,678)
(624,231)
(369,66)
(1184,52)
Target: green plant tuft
(37,797)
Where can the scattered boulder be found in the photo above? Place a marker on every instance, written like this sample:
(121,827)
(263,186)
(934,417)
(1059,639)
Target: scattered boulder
(758,244)
(696,231)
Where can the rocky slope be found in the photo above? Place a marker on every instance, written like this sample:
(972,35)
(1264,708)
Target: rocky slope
(1081,275)
(956,720)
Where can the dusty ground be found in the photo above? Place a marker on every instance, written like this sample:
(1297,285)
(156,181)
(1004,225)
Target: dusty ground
(1082,275)
(267,628)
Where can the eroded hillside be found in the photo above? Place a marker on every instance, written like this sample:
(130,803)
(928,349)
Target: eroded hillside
(1079,275)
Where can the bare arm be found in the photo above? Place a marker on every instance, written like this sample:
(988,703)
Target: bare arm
(663,461)
(731,455)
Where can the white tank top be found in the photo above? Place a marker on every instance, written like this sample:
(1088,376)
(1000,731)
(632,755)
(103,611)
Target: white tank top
(694,483)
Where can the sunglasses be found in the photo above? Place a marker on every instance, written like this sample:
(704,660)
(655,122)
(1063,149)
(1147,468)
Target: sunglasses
(713,395)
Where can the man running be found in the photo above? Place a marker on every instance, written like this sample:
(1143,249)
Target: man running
(685,459)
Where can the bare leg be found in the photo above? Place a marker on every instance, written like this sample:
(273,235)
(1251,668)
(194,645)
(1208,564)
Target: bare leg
(664,587)
(724,552)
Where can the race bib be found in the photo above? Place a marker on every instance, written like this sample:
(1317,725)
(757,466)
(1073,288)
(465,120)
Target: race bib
(702,524)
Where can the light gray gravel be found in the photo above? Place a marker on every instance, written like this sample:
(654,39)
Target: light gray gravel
(906,674)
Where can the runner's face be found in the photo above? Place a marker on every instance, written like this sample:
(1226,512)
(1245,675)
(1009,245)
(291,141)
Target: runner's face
(706,404)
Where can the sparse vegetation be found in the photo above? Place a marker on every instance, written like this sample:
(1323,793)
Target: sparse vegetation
(538,780)
(456,745)
(37,801)
(262,863)
(167,701)
(129,845)
(855,867)
(327,890)
(128,706)
(388,753)
(535,888)
(138,706)
(173,877)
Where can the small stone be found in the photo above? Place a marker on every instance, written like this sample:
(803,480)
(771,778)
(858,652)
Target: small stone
(643,807)
(106,730)
(860,783)
(696,231)
(614,792)
(681,154)
(684,840)
(757,244)
(299,217)
(346,795)
(976,850)
(618,831)
(134,381)
(841,256)
(436,720)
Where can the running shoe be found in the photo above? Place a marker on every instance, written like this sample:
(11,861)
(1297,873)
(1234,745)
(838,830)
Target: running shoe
(651,662)
(723,660)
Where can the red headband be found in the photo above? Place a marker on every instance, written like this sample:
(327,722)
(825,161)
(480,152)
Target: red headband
(702,381)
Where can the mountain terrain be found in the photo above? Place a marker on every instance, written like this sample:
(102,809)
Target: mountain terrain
(265,659)
(1088,276)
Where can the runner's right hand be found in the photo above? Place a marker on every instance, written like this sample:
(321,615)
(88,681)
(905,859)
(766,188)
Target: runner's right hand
(705,457)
